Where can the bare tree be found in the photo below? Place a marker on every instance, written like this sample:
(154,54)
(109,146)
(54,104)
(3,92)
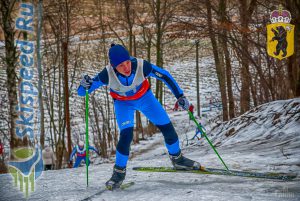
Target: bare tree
(162,11)
(218,57)
(246,9)
(7,24)
(40,73)
(223,39)
(294,61)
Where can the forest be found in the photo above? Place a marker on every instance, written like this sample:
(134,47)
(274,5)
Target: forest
(72,38)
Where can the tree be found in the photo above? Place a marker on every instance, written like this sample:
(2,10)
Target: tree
(162,11)
(294,61)
(223,39)
(40,73)
(218,57)
(7,25)
(246,9)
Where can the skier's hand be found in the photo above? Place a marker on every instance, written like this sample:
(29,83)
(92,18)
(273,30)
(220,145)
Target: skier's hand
(183,103)
(86,82)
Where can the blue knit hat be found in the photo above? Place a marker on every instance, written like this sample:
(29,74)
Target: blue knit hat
(117,54)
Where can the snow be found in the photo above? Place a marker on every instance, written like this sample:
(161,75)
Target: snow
(259,145)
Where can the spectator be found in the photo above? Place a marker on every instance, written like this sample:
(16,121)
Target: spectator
(48,158)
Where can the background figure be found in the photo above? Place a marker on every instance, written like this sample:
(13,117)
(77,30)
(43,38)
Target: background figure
(80,151)
(48,158)
(198,134)
(65,161)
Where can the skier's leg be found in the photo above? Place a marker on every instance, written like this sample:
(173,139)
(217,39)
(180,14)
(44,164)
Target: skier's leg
(125,115)
(88,161)
(157,115)
(77,162)
(125,119)
(153,110)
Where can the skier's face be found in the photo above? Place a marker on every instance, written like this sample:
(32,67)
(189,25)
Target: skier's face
(124,68)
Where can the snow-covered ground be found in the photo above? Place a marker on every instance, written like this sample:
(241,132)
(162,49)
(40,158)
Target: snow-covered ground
(264,139)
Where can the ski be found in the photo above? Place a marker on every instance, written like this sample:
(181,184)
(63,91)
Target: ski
(214,171)
(126,185)
(122,187)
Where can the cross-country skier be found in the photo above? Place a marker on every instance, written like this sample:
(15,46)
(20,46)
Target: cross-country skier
(127,79)
(80,151)
(197,134)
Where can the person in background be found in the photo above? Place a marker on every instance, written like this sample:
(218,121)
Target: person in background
(80,151)
(48,158)
(198,134)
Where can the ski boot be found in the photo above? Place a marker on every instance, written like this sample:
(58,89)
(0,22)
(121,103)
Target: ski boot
(117,178)
(182,163)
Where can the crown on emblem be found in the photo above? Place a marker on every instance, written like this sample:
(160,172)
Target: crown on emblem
(280,16)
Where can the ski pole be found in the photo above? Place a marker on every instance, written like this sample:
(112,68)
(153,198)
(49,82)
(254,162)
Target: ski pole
(200,128)
(87,136)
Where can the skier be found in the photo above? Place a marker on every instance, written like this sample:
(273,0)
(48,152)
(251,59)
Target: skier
(80,151)
(127,79)
(197,134)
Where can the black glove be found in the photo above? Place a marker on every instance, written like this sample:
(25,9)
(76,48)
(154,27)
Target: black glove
(86,82)
(183,103)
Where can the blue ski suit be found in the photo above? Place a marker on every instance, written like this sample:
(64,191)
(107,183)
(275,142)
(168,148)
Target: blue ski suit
(80,155)
(147,104)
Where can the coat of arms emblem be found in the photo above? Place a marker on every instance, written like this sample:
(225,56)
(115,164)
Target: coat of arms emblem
(280,34)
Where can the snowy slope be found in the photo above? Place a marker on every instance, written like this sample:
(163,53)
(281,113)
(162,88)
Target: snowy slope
(264,139)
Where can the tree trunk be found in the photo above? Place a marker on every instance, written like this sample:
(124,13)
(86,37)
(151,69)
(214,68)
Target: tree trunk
(245,16)
(66,92)
(294,61)
(158,46)
(224,22)
(40,74)
(197,78)
(217,58)
(10,60)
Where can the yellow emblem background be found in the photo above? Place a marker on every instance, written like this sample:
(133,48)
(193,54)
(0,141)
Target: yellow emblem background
(271,45)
